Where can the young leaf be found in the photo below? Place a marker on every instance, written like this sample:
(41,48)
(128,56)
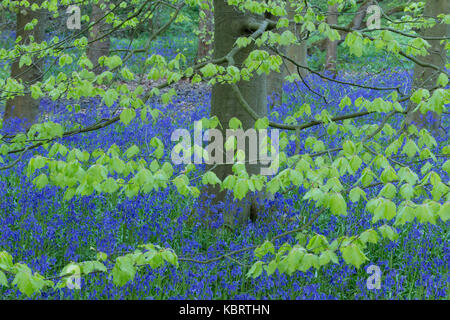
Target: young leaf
(353,255)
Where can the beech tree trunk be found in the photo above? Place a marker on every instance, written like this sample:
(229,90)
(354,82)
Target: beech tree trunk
(205,37)
(230,24)
(298,53)
(330,63)
(100,47)
(425,77)
(25,107)
(356,23)
(358,19)
(275,79)
(2,16)
(275,82)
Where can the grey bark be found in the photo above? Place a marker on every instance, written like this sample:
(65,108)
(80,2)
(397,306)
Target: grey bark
(275,83)
(100,47)
(358,19)
(230,24)
(425,77)
(25,107)
(297,52)
(206,29)
(275,79)
(357,23)
(331,59)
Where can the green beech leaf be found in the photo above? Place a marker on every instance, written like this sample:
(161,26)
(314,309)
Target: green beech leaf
(353,255)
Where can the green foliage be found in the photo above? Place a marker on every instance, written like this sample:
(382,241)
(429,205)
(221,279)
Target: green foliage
(123,271)
(368,153)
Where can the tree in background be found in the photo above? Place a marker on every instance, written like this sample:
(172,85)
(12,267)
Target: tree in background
(298,51)
(331,57)
(206,31)
(426,74)
(26,68)
(99,39)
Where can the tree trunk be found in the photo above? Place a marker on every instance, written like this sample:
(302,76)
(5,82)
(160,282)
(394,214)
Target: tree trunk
(275,83)
(330,63)
(25,107)
(205,37)
(275,79)
(230,24)
(298,53)
(98,48)
(2,15)
(426,77)
(357,23)
(358,19)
